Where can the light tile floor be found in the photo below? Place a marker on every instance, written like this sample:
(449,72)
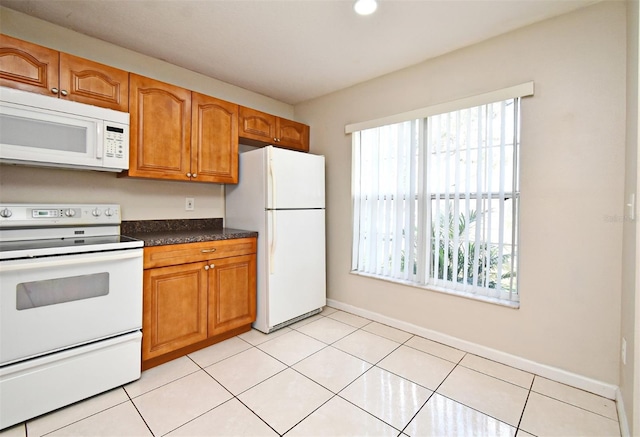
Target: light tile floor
(333,374)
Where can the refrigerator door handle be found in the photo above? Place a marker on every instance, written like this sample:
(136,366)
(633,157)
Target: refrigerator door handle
(272,248)
(272,176)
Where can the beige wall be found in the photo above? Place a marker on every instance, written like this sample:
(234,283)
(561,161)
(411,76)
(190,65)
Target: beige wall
(630,230)
(573,146)
(140,199)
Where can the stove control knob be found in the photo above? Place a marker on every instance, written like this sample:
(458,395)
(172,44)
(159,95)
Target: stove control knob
(108,212)
(69,212)
(96,212)
(6,213)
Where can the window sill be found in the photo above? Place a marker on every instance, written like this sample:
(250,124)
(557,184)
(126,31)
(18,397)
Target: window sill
(486,299)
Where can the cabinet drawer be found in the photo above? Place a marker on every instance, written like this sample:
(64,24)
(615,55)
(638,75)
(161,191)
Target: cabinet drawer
(159,256)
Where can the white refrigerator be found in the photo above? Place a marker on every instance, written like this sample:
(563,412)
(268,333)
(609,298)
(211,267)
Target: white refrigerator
(280,194)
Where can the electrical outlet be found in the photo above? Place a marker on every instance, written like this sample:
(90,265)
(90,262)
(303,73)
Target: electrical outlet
(624,351)
(190,204)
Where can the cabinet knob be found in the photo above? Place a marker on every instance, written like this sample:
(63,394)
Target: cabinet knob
(188,175)
(195,175)
(212,265)
(55,90)
(64,92)
(208,250)
(206,267)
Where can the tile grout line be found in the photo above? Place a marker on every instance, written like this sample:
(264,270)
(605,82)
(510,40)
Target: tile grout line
(368,370)
(525,405)
(199,415)
(498,379)
(287,367)
(404,343)
(137,410)
(333,395)
(572,404)
(433,392)
(81,419)
(233,396)
(141,417)
(337,395)
(257,415)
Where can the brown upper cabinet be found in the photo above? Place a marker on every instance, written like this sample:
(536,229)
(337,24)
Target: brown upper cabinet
(181,135)
(174,134)
(37,69)
(258,128)
(214,139)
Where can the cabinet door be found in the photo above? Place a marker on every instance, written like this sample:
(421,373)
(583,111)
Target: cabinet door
(174,308)
(232,293)
(27,66)
(214,140)
(292,135)
(256,125)
(160,129)
(96,84)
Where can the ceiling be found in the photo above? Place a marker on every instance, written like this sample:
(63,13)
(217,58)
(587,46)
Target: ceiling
(292,50)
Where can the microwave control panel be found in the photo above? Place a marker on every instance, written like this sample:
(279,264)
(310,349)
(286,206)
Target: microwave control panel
(114,142)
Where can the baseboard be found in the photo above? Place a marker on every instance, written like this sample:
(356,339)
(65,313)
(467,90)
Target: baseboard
(622,415)
(600,388)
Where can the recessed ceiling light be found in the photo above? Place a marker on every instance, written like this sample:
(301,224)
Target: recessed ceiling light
(365,7)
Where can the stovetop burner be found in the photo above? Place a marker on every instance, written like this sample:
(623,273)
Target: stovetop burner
(36,230)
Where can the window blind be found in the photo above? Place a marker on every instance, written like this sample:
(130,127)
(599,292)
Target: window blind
(472,164)
(436,200)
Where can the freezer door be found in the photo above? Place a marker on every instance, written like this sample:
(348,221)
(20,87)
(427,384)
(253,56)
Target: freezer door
(295,179)
(295,268)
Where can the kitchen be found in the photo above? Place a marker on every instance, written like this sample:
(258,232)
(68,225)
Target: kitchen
(203,283)
(144,199)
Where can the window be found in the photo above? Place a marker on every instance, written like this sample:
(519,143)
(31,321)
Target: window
(436,201)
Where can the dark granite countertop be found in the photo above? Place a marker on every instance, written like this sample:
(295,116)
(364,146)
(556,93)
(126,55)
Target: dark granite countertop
(164,232)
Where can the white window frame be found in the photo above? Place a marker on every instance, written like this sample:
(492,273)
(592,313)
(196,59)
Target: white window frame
(424,229)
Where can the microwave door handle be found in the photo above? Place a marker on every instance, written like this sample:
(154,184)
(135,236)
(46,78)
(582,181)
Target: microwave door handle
(99,139)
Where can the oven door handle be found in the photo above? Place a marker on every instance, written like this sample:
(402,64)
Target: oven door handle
(30,264)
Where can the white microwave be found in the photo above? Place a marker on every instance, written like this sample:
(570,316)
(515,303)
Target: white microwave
(47,131)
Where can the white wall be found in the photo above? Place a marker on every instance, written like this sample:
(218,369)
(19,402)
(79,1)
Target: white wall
(140,199)
(573,147)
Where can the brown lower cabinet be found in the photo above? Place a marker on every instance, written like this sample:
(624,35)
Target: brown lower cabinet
(195,295)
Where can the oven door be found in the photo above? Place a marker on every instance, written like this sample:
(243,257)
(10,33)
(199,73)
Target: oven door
(57,302)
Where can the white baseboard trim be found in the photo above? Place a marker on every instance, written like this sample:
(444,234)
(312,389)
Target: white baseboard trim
(600,388)
(622,415)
